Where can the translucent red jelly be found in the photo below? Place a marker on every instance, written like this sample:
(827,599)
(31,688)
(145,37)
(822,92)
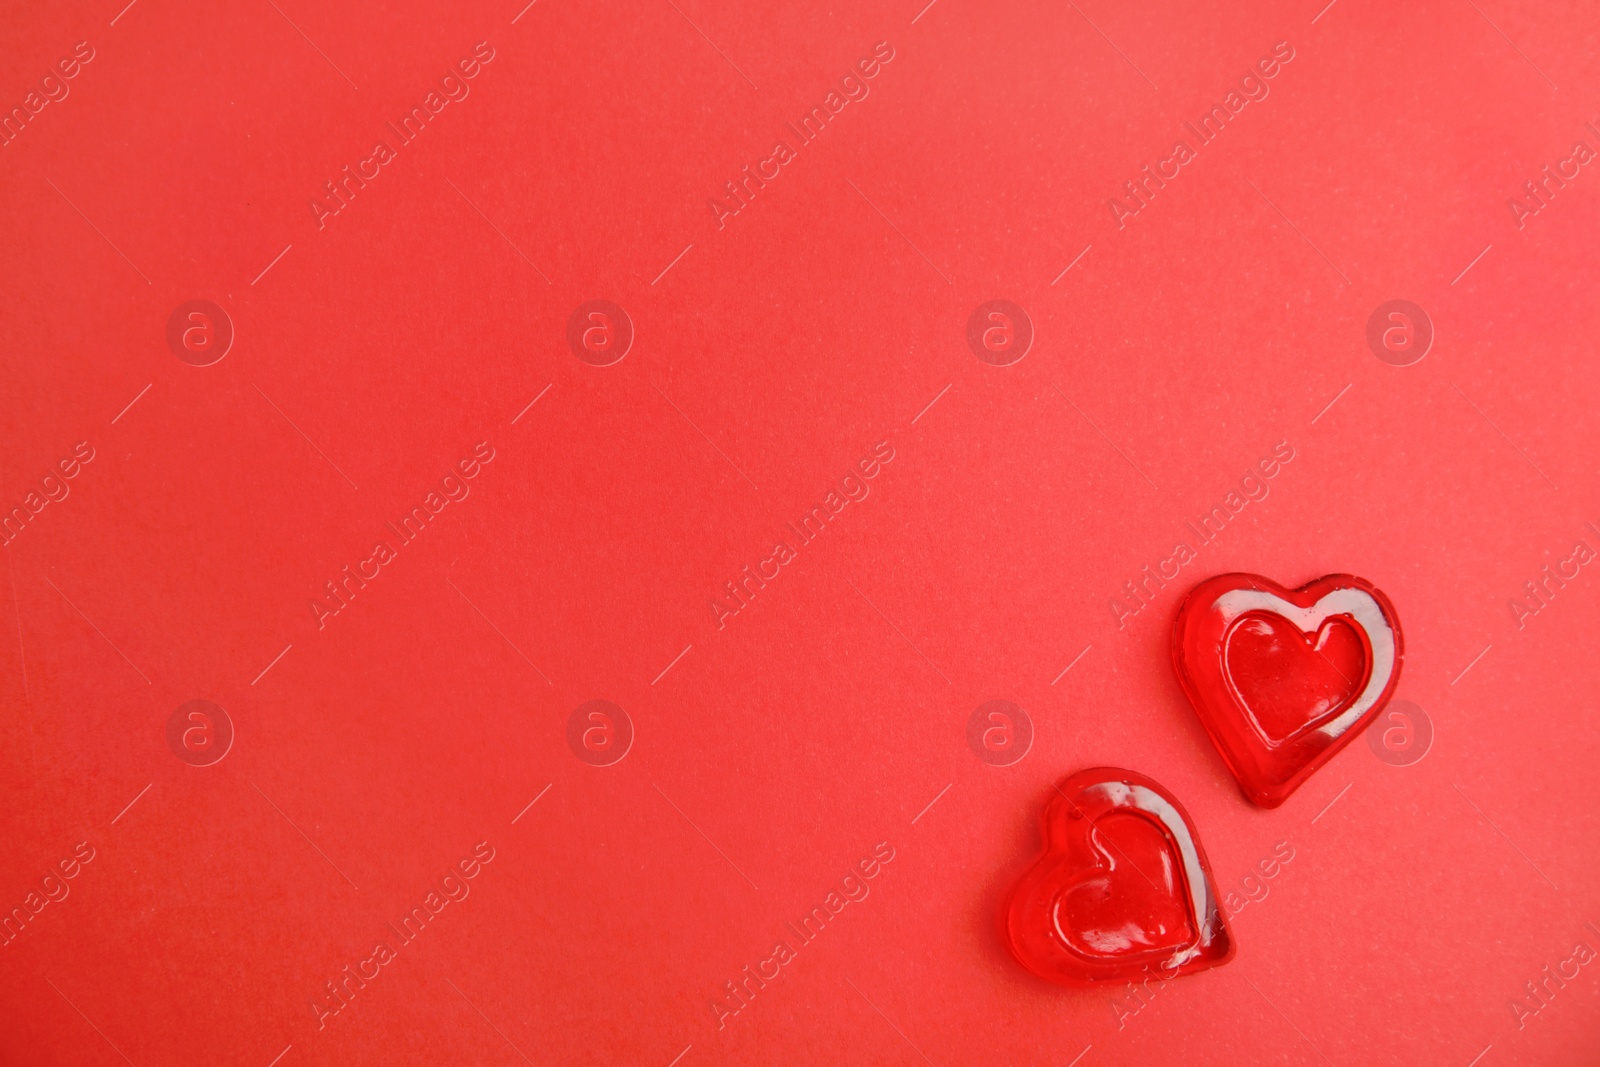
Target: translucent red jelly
(1122,889)
(1282,679)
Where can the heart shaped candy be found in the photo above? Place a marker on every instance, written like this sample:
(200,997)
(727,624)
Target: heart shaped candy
(1121,890)
(1282,679)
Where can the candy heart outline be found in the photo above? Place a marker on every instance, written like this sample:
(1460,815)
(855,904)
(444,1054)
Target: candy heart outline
(1210,611)
(1235,604)
(1109,790)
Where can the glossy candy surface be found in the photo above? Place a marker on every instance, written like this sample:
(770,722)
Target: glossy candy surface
(1282,679)
(1122,889)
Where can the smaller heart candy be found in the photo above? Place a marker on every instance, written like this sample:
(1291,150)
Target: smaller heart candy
(1282,679)
(1122,889)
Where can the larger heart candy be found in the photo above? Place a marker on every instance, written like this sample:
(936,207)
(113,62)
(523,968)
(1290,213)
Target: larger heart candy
(1122,889)
(1282,679)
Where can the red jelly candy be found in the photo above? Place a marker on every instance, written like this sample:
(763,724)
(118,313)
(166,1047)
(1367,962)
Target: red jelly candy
(1122,889)
(1282,679)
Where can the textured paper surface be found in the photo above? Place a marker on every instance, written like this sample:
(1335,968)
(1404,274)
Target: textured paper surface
(777,353)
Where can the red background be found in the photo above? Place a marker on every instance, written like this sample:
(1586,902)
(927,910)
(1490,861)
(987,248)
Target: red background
(826,716)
